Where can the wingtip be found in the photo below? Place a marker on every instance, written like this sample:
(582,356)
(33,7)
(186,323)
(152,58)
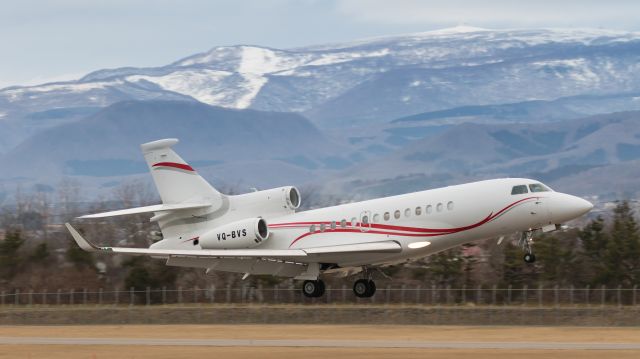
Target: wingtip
(82,243)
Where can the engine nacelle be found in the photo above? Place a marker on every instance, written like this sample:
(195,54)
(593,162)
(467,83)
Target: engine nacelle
(246,233)
(276,201)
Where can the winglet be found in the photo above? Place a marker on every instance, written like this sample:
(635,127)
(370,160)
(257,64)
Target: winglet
(83,243)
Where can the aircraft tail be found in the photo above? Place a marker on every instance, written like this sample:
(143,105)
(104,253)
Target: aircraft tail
(176,181)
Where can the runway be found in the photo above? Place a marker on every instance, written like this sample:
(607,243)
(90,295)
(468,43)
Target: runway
(311,343)
(244,341)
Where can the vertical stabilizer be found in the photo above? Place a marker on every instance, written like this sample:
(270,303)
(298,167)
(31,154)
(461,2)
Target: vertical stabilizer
(176,181)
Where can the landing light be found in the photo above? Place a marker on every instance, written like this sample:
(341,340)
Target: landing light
(416,245)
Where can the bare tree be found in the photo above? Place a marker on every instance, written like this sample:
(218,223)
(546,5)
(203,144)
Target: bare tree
(135,193)
(69,196)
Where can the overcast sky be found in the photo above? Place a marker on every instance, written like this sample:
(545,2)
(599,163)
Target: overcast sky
(63,39)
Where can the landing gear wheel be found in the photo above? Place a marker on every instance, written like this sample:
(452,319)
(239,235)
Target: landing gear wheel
(320,292)
(364,288)
(313,288)
(526,240)
(372,288)
(529,258)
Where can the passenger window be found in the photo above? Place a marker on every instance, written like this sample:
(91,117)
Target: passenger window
(418,211)
(312,228)
(439,207)
(429,209)
(343,223)
(376,218)
(354,222)
(365,219)
(450,205)
(520,189)
(538,187)
(386,216)
(407,212)
(396,214)
(322,227)
(333,224)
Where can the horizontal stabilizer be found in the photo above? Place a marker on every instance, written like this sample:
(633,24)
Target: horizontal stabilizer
(372,247)
(147,209)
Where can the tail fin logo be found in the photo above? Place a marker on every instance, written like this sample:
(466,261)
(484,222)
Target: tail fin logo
(170,165)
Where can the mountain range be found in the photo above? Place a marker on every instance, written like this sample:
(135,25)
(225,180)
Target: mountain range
(380,116)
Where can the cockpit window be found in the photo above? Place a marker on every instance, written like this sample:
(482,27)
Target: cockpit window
(538,187)
(519,189)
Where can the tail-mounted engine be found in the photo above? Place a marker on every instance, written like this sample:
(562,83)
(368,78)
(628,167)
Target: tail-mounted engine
(246,233)
(271,202)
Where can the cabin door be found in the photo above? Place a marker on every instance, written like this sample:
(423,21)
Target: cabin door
(365,221)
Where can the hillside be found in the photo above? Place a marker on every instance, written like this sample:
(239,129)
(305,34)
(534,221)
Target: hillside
(594,155)
(247,146)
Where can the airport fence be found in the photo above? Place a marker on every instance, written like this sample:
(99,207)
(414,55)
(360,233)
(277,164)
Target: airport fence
(541,296)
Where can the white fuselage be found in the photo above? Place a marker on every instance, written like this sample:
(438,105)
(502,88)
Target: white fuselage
(423,222)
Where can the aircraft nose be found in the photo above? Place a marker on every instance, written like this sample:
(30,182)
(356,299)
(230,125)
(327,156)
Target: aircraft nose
(583,206)
(568,207)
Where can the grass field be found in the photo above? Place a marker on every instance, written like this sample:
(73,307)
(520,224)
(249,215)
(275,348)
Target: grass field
(286,314)
(324,332)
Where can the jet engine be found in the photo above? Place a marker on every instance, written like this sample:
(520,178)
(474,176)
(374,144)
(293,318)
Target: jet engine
(246,233)
(270,202)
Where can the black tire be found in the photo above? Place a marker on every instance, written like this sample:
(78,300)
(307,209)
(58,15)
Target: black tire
(309,288)
(313,288)
(529,258)
(320,291)
(372,289)
(361,288)
(364,288)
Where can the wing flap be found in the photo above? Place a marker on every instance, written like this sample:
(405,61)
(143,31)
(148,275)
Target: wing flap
(147,209)
(210,253)
(370,247)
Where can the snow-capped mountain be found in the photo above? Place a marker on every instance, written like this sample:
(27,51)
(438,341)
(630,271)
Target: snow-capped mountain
(384,110)
(375,79)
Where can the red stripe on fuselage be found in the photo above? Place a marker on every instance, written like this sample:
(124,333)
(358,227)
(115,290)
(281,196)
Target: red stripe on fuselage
(355,230)
(418,232)
(182,166)
(386,226)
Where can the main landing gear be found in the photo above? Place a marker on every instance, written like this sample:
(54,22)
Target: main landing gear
(526,241)
(364,288)
(313,288)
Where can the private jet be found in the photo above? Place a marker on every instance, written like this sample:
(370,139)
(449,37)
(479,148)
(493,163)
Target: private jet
(261,232)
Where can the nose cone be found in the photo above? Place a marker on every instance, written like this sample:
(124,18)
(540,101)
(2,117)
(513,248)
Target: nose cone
(567,207)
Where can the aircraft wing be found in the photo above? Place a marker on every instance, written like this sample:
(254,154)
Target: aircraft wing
(147,209)
(374,247)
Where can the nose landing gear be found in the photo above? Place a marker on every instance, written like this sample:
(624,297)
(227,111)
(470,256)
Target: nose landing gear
(529,257)
(526,241)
